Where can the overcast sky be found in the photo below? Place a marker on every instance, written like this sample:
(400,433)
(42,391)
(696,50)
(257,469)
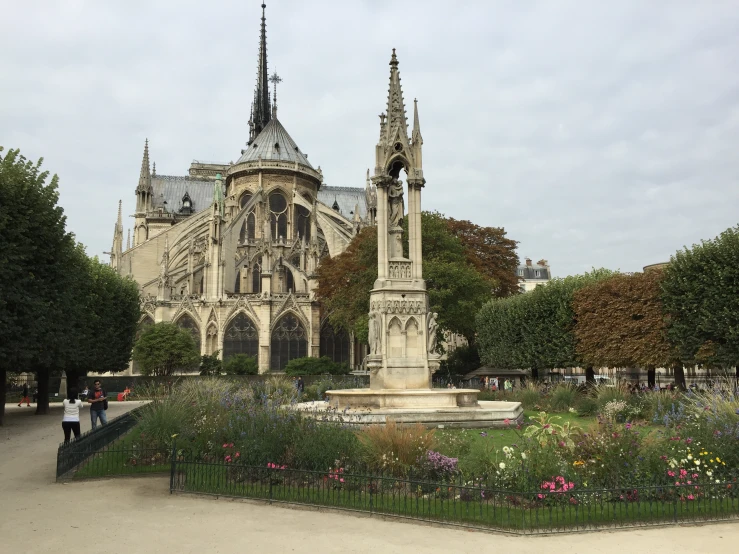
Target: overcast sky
(599,134)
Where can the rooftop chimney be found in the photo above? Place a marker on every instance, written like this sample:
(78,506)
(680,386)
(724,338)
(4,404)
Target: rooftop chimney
(528,262)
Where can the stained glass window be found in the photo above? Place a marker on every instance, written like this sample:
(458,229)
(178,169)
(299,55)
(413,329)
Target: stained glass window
(335,344)
(241,337)
(289,341)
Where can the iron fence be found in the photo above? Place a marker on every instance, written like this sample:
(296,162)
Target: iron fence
(460,502)
(92,444)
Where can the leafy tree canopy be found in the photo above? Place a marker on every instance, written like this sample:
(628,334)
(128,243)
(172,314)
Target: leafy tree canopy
(315,366)
(241,364)
(164,348)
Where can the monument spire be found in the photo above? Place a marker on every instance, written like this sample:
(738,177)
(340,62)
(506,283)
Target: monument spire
(397,123)
(416,135)
(261,109)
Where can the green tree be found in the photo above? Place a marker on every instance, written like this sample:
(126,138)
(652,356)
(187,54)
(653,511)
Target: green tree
(315,366)
(164,348)
(241,364)
(34,249)
(456,288)
(620,322)
(700,292)
(459,362)
(210,364)
(534,331)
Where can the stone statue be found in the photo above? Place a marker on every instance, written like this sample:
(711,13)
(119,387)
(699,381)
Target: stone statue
(374,333)
(397,206)
(432,327)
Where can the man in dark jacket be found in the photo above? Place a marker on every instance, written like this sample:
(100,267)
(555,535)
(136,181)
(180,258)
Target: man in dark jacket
(25,396)
(99,401)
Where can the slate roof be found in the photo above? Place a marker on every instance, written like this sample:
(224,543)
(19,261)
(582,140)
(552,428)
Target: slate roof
(274,143)
(346,197)
(529,271)
(171,188)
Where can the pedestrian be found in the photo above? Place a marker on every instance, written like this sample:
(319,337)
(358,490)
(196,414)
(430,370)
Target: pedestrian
(99,402)
(85,392)
(25,396)
(301,385)
(71,419)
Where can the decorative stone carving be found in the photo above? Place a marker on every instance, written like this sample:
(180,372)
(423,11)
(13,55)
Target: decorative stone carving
(396,204)
(374,333)
(400,270)
(432,327)
(187,306)
(399,306)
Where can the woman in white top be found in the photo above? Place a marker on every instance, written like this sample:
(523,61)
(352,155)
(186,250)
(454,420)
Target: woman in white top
(71,420)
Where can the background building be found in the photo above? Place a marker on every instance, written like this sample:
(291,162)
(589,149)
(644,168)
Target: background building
(533,275)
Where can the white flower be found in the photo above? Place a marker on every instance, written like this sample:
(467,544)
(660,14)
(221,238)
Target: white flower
(709,473)
(501,465)
(697,462)
(690,456)
(523,455)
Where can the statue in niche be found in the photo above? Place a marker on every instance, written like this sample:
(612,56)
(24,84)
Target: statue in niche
(432,327)
(373,334)
(397,206)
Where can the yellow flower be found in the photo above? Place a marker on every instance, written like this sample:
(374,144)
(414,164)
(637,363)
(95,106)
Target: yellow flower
(718,459)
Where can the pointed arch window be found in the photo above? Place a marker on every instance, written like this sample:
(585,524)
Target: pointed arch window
(302,216)
(241,337)
(188,323)
(289,341)
(244,200)
(251,225)
(256,276)
(278,215)
(334,344)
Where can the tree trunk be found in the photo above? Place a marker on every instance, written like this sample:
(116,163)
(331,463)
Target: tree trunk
(651,376)
(589,375)
(42,406)
(3,377)
(679,373)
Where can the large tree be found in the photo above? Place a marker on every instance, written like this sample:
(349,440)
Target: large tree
(534,331)
(620,322)
(34,247)
(491,252)
(164,348)
(700,292)
(456,287)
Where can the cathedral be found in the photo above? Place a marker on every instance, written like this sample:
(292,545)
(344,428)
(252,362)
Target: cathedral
(229,251)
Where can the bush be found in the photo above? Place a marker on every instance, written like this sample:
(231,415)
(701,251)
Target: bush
(586,406)
(394,448)
(605,394)
(530,396)
(563,397)
(211,365)
(315,366)
(241,364)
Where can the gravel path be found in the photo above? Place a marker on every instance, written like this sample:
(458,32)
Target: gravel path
(138,515)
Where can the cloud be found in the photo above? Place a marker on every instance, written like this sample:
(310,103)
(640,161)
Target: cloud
(596,134)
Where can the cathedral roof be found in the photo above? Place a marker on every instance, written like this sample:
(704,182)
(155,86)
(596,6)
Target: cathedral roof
(172,189)
(274,143)
(346,197)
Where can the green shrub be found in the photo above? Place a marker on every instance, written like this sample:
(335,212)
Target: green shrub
(586,406)
(530,396)
(210,365)
(605,394)
(315,366)
(241,364)
(563,397)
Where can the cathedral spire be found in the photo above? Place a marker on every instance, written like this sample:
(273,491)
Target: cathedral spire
(145,175)
(396,124)
(416,136)
(261,108)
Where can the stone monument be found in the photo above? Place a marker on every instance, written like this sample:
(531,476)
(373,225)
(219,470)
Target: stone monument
(402,329)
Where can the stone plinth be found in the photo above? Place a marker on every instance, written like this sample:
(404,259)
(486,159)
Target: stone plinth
(484,415)
(399,398)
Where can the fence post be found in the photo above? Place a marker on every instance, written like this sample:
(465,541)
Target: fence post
(173,467)
(269,476)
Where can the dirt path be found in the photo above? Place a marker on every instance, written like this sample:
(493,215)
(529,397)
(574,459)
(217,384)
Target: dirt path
(137,515)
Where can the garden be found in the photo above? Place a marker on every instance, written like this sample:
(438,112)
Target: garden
(584,457)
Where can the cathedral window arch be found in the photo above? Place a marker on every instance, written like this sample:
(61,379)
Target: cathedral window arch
(302,219)
(244,200)
(241,337)
(289,340)
(411,338)
(278,215)
(334,344)
(186,322)
(256,276)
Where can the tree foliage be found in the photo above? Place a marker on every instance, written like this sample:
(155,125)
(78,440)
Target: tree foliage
(700,292)
(210,364)
(456,287)
(490,252)
(241,364)
(315,366)
(164,349)
(620,322)
(533,330)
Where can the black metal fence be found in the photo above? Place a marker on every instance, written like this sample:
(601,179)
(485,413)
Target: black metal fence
(466,503)
(92,444)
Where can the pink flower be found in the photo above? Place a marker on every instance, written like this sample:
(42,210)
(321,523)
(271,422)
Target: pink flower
(238,454)
(341,480)
(506,421)
(561,444)
(225,445)
(671,473)
(540,495)
(695,475)
(571,485)
(691,497)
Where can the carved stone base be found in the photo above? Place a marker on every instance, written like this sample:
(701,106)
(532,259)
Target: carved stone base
(407,399)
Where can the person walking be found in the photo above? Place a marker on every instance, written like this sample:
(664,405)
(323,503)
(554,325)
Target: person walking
(71,419)
(99,401)
(301,386)
(25,398)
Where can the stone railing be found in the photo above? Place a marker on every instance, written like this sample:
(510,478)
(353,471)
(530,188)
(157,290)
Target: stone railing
(277,164)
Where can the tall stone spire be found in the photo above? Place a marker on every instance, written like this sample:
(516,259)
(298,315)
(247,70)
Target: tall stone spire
(397,123)
(144,189)
(416,135)
(261,109)
(117,250)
